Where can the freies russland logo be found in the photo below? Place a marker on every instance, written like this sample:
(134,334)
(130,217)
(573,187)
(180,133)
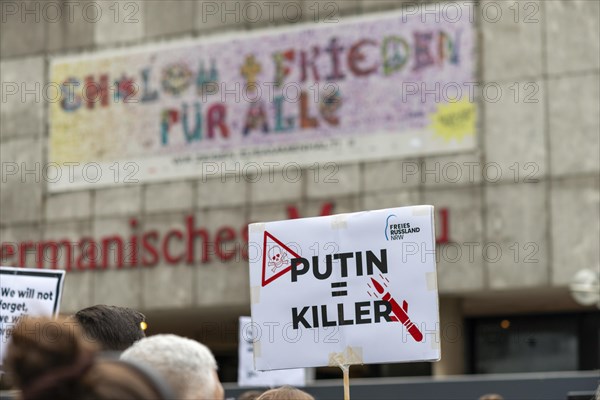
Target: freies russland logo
(396,230)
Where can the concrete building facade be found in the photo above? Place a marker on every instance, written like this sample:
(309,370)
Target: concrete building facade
(517,217)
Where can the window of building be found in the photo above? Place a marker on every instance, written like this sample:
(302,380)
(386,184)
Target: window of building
(535,343)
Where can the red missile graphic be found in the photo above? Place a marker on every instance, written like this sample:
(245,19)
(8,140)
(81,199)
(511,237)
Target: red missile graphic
(400,313)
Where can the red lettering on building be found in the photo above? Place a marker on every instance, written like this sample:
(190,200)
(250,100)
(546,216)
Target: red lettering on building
(147,249)
(444,227)
(166,246)
(224,235)
(149,240)
(107,244)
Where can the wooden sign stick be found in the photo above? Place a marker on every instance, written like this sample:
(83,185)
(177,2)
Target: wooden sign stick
(346,371)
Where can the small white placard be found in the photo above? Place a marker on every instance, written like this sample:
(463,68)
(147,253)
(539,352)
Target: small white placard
(25,291)
(250,377)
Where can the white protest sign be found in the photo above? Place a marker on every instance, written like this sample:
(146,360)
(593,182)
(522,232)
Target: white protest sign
(248,376)
(346,289)
(27,292)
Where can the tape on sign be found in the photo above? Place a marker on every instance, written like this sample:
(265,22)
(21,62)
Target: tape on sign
(431,279)
(350,356)
(259,227)
(420,211)
(257,349)
(435,342)
(255,294)
(339,222)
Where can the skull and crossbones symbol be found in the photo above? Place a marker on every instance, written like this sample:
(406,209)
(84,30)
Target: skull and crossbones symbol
(277,258)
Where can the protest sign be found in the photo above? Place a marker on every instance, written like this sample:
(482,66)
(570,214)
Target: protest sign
(27,292)
(346,289)
(248,376)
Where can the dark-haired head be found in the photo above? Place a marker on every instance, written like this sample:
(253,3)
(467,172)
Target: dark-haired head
(113,328)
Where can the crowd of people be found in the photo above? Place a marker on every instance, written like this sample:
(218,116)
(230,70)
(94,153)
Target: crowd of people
(102,353)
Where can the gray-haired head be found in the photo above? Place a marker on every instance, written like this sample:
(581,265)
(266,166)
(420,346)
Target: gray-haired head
(187,365)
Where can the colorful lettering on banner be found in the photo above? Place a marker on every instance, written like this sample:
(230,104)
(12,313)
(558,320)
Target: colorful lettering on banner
(339,87)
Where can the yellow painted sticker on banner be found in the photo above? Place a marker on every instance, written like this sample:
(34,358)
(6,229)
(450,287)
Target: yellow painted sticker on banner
(454,121)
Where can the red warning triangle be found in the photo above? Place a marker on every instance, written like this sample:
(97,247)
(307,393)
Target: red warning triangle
(277,259)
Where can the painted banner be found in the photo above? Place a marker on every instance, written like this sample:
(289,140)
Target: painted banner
(383,86)
(26,291)
(347,289)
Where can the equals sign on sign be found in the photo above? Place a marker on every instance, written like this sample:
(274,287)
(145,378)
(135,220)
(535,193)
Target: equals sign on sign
(337,291)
